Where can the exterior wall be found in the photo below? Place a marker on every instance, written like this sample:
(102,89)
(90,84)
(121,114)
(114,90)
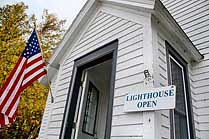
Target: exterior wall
(103,29)
(160,80)
(193,17)
(106,28)
(46,125)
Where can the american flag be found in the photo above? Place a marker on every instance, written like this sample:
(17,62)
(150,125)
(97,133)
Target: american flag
(29,68)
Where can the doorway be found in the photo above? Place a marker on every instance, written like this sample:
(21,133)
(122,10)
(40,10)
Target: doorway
(88,114)
(92,109)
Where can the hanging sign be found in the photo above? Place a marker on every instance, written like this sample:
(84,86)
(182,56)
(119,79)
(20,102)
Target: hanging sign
(151,99)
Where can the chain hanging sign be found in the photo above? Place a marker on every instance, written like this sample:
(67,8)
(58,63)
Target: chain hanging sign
(151,99)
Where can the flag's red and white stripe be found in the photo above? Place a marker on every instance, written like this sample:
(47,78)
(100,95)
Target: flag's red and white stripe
(6,120)
(24,74)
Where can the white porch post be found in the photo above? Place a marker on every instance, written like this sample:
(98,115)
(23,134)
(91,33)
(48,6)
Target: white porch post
(150,126)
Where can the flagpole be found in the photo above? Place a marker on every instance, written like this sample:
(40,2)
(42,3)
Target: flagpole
(47,77)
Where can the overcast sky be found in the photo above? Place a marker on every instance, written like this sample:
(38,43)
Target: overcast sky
(64,9)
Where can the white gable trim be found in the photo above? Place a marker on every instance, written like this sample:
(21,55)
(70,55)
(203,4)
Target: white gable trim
(70,38)
(73,31)
(139,17)
(142,5)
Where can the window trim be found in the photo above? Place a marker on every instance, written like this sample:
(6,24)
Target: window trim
(185,90)
(172,52)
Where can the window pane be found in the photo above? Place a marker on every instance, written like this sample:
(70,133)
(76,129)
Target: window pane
(183,125)
(180,117)
(180,127)
(177,126)
(91,110)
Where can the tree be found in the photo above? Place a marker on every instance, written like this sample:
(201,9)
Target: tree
(13,22)
(15,28)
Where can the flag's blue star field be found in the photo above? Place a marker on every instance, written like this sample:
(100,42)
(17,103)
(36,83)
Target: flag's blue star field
(32,47)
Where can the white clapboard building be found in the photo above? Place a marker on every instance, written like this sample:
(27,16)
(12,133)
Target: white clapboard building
(118,47)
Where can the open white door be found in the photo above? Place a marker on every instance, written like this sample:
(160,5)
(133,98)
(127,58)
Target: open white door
(87,114)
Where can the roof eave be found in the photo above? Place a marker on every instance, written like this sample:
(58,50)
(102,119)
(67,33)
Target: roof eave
(70,35)
(144,7)
(163,15)
(72,32)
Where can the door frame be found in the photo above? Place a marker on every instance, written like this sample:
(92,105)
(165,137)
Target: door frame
(106,52)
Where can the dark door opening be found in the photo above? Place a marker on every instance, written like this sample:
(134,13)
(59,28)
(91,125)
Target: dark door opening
(88,114)
(91,111)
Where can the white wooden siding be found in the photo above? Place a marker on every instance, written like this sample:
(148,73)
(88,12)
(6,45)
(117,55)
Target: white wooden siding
(160,79)
(193,17)
(43,133)
(129,72)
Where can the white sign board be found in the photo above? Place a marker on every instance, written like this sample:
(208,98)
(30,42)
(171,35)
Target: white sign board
(151,99)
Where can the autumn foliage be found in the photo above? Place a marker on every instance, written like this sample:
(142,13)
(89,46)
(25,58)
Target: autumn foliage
(15,28)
